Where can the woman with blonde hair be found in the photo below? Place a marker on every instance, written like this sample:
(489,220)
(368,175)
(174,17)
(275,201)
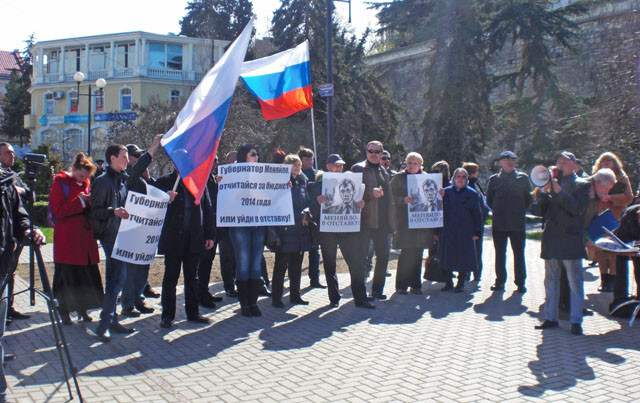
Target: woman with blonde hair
(618,198)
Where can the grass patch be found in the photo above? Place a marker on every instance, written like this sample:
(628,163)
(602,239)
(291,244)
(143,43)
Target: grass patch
(534,235)
(48,233)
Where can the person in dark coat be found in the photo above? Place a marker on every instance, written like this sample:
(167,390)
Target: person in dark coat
(411,241)
(563,204)
(474,172)
(188,230)
(294,239)
(307,157)
(509,197)
(628,231)
(462,227)
(77,284)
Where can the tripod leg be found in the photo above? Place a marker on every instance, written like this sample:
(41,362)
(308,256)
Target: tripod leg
(56,323)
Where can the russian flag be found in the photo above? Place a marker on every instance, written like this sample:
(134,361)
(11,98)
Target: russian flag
(193,140)
(280,82)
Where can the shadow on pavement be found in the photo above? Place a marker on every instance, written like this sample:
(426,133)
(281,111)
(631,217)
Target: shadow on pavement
(496,307)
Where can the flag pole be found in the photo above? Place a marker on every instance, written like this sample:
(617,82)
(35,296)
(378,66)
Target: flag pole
(313,133)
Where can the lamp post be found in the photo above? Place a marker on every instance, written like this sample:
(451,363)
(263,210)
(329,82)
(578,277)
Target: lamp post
(78,77)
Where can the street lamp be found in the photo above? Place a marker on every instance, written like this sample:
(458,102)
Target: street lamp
(78,77)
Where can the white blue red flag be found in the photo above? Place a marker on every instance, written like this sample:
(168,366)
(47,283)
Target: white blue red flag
(280,82)
(193,140)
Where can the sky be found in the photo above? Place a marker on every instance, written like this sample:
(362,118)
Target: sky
(58,19)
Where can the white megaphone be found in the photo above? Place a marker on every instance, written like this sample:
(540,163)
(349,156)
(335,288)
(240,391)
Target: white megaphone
(540,175)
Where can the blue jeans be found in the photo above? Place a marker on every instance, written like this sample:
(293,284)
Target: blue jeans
(115,274)
(575,275)
(248,245)
(4,302)
(134,284)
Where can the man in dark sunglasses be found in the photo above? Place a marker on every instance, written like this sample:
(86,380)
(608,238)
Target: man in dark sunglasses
(376,222)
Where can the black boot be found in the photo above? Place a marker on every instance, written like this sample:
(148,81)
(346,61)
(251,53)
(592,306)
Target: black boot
(606,283)
(462,277)
(255,286)
(243,297)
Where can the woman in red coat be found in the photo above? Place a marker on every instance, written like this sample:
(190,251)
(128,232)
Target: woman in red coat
(76,282)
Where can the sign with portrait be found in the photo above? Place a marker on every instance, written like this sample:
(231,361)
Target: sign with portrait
(426,210)
(254,195)
(138,235)
(340,212)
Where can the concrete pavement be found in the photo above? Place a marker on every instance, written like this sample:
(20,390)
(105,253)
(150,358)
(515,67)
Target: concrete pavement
(474,346)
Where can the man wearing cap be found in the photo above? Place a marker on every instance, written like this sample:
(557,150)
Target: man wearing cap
(329,242)
(563,204)
(137,275)
(509,197)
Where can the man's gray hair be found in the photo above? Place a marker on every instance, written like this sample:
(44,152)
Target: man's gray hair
(605,175)
(347,182)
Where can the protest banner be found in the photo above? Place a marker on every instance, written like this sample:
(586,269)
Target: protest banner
(138,235)
(340,212)
(426,210)
(252,194)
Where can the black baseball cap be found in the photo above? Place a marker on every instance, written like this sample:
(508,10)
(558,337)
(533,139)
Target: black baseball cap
(334,159)
(568,155)
(134,150)
(508,154)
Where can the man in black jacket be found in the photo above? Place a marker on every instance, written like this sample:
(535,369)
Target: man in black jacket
(509,197)
(188,230)
(563,204)
(14,225)
(108,195)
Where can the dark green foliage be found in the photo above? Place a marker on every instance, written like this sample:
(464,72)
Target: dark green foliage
(44,177)
(15,104)
(216,19)
(38,213)
(405,22)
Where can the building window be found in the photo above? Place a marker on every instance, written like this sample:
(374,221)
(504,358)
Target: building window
(165,56)
(72,97)
(49,104)
(175,96)
(50,137)
(122,56)
(72,60)
(125,99)
(72,142)
(98,58)
(52,62)
(99,140)
(98,100)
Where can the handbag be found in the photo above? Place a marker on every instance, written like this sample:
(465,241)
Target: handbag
(272,239)
(433,271)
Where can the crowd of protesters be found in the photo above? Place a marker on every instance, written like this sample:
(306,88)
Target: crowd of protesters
(87,206)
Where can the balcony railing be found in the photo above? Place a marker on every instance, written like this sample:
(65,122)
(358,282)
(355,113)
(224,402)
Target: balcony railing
(166,74)
(124,73)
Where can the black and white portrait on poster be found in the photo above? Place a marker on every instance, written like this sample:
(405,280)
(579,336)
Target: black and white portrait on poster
(340,213)
(426,209)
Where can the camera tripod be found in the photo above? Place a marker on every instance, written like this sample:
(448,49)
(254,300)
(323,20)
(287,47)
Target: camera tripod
(54,316)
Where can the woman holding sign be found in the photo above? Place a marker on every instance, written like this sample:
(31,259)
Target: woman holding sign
(462,227)
(411,241)
(294,239)
(76,281)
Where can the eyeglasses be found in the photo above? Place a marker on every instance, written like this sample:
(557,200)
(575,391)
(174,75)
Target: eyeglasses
(386,158)
(253,154)
(374,151)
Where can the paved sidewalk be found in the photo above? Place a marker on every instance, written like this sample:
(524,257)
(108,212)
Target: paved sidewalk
(474,346)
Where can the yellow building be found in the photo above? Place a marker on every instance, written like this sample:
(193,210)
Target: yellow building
(135,65)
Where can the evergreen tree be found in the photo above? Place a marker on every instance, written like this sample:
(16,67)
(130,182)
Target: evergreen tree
(17,100)
(363,109)
(216,19)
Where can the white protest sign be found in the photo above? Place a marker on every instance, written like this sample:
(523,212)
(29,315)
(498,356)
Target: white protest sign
(426,210)
(139,234)
(340,212)
(252,194)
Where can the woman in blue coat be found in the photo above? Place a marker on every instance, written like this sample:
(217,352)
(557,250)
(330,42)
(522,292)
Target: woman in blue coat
(294,239)
(462,227)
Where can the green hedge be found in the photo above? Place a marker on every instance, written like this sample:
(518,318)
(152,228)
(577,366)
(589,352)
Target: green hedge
(39,213)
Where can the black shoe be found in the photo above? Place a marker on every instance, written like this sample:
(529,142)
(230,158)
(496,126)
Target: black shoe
(576,329)
(150,293)
(401,291)
(365,305)
(166,323)
(334,304)
(379,296)
(216,299)
(459,288)
(522,290)
(255,311)
(198,319)
(264,290)
(497,287)
(118,328)
(66,319)
(387,274)
(104,337)
(85,316)
(9,357)
(208,304)
(277,303)
(547,324)
(246,311)
(316,284)
(142,308)
(231,293)
(298,301)
(447,287)
(13,314)
(587,312)
(416,291)
(130,312)
(370,298)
